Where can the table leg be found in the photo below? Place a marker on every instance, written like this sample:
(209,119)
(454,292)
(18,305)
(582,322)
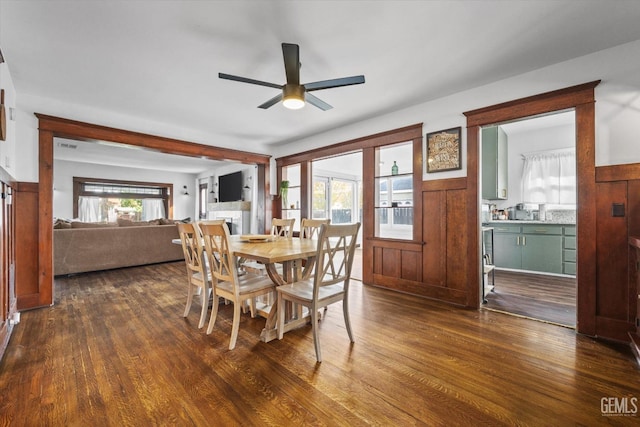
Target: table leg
(289,274)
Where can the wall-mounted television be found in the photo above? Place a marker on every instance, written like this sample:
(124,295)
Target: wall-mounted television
(230,187)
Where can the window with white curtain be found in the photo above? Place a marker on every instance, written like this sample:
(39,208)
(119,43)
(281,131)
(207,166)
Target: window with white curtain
(152,209)
(106,200)
(90,209)
(550,177)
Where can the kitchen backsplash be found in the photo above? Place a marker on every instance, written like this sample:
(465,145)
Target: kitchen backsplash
(561,215)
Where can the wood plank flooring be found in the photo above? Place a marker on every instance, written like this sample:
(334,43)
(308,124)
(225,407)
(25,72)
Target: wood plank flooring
(114,350)
(537,296)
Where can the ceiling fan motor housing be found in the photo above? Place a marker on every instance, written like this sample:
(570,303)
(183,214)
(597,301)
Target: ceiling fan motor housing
(293,96)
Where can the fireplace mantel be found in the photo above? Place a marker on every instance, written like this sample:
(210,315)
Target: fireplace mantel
(229,206)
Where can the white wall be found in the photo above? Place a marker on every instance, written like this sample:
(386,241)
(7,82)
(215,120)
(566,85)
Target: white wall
(8,147)
(64,171)
(617,106)
(617,112)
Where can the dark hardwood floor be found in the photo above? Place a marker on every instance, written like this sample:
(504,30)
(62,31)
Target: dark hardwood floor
(537,296)
(114,350)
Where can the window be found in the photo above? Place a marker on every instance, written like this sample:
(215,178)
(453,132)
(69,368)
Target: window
(550,177)
(103,200)
(394,209)
(202,200)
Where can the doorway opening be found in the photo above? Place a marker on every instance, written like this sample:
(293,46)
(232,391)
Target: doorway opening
(336,193)
(528,218)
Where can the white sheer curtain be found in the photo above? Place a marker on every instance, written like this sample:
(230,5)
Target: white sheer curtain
(152,209)
(89,209)
(549,177)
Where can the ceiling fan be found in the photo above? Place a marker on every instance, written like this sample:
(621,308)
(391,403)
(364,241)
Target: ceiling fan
(294,94)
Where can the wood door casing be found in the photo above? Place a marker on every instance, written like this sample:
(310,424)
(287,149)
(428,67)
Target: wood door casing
(581,99)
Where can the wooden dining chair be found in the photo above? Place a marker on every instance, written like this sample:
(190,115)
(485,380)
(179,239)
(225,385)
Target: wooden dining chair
(310,228)
(225,280)
(282,227)
(198,277)
(330,282)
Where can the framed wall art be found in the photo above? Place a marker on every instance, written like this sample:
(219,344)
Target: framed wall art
(443,150)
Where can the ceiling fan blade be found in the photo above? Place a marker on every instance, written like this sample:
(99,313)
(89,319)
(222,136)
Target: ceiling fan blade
(291,53)
(273,101)
(315,101)
(327,84)
(246,80)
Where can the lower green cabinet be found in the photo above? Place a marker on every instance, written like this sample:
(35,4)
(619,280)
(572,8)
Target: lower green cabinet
(569,250)
(533,247)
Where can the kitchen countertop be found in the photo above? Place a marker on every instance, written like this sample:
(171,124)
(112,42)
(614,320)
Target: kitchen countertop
(525,221)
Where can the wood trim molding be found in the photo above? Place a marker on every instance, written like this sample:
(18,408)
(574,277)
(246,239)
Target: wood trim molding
(51,127)
(445,184)
(547,102)
(65,128)
(617,172)
(404,134)
(582,99)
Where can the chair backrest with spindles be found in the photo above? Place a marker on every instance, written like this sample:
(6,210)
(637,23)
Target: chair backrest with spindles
(336,248)
(310,228)
(192,248)
(282,227)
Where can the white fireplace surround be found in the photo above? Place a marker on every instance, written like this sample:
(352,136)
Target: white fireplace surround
(237,214)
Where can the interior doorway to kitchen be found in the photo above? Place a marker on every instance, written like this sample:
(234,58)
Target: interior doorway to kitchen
(528,217)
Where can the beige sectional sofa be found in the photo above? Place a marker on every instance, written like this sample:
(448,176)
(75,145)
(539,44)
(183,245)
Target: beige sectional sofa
(100,247)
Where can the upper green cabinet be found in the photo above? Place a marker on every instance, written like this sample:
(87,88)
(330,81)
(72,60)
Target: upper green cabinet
(494,164)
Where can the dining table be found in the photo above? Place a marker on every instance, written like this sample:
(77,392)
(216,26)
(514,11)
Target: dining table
(297,257)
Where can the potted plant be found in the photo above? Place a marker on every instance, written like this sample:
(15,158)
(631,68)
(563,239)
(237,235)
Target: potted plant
(284,188)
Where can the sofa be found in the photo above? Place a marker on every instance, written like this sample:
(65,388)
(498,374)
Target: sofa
(93,247)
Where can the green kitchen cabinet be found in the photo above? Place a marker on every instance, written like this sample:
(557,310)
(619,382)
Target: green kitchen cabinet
(531,247)
(507,250)
(494,164)
(569,250)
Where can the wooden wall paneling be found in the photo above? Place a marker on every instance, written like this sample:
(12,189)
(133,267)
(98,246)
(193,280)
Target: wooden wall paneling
(633,229)
(434,228)
(378,256)
(626,172)
(411,266)
(391,262)
(457,240)
(633,205)
(613,252)
(27,260)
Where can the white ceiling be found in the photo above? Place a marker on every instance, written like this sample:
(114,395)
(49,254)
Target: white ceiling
(159,61)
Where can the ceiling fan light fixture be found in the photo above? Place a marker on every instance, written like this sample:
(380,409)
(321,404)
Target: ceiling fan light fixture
(293,96)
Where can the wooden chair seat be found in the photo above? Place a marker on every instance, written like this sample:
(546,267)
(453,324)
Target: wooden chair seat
(302,292)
